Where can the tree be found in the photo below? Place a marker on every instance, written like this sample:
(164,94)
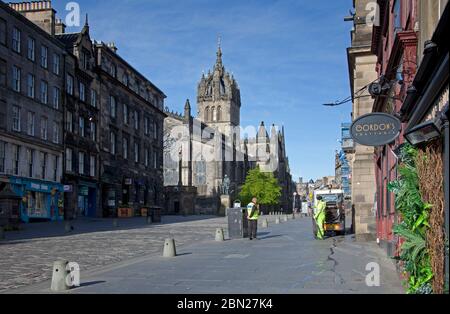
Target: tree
(262,185)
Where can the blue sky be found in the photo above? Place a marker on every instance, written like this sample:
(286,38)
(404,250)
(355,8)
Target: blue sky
(288,56)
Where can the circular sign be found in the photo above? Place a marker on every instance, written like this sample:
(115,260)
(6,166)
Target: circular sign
(376,129)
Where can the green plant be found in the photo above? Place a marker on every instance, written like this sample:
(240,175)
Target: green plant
(413,228)
(262,185)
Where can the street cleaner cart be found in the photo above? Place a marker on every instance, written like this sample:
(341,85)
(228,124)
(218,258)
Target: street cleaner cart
(334,212)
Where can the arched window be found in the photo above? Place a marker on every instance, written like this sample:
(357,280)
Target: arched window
(200,172)
(214,114)
(207,114)
(219,113)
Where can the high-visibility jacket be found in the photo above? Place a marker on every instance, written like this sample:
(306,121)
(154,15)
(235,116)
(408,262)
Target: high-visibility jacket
(250,208)
(321,206)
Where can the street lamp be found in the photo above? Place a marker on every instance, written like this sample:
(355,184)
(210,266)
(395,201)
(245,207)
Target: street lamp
(424,132)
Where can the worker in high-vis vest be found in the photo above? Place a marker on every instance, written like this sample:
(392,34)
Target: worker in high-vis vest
(253,216)
(319,217)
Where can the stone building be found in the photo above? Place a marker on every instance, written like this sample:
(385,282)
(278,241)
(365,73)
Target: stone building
(361,63)
(210,148)
(110,154)
(131,134)
(31,109)
(81,122)
(412,46)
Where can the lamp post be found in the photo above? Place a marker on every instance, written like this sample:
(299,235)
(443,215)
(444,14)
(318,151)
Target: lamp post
(180,167)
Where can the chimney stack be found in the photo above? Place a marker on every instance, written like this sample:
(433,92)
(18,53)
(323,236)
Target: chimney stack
(40,13)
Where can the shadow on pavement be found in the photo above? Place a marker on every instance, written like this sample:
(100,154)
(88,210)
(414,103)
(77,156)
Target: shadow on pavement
(92,283)
(271,237)
(34,231)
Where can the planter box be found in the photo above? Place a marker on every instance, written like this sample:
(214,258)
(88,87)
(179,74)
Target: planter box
(144,212)
(125,212)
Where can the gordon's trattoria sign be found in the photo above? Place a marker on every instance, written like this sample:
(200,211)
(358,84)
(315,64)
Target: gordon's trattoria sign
(376,129)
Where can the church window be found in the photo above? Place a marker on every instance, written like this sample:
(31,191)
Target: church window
(200,172)
(214,114)
(219,113)
(209,89)
(207,114)
(222,87)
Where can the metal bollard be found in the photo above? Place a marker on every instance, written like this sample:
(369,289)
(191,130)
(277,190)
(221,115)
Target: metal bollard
(149,220)
(169,248)
(2,233)
(219,235)
(59,276)
(115,223)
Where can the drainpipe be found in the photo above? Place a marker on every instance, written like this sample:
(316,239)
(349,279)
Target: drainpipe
(63,135)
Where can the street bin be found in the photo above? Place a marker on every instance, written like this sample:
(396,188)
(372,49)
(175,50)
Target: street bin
(155,213)
(237,223)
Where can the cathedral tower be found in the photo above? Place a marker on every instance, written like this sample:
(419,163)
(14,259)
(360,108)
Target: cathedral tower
(219,97)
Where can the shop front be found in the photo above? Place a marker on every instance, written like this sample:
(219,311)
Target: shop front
(40,199)
(87,199)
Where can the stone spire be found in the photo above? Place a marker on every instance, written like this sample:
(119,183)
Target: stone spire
(187,109)
(219,63)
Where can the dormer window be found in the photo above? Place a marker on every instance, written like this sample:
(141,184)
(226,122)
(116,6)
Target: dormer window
(85,60)
(112,70)
(125,79)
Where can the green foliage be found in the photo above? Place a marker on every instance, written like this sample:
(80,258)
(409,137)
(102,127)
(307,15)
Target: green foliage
(262,185)
(415,214)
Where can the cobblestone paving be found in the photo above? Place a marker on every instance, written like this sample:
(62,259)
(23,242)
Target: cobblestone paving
(29,260)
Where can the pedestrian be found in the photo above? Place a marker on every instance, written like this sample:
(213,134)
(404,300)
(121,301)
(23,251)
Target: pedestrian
(319,217)
(253,216)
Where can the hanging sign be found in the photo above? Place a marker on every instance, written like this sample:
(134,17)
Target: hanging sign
(376,129)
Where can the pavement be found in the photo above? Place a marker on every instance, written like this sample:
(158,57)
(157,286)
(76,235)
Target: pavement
(27,256)
(285,260)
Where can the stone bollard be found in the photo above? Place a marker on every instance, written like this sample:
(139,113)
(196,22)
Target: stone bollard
(293,216)
(59,276)
(277,221)
(115,223)
(286,218)
(169,248)
(149,220)
(219,235)
(265,223)
(2,233)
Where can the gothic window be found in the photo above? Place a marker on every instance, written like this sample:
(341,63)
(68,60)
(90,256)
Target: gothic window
(200,172)
(207,114)
(219,113)
(222,87)
(214,114)
(209,89)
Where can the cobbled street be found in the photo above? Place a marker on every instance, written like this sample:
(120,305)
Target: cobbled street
(27,257)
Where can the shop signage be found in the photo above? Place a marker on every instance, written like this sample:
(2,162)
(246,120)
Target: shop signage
(128,181)
(376,129)
(84,190)
(68,188)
